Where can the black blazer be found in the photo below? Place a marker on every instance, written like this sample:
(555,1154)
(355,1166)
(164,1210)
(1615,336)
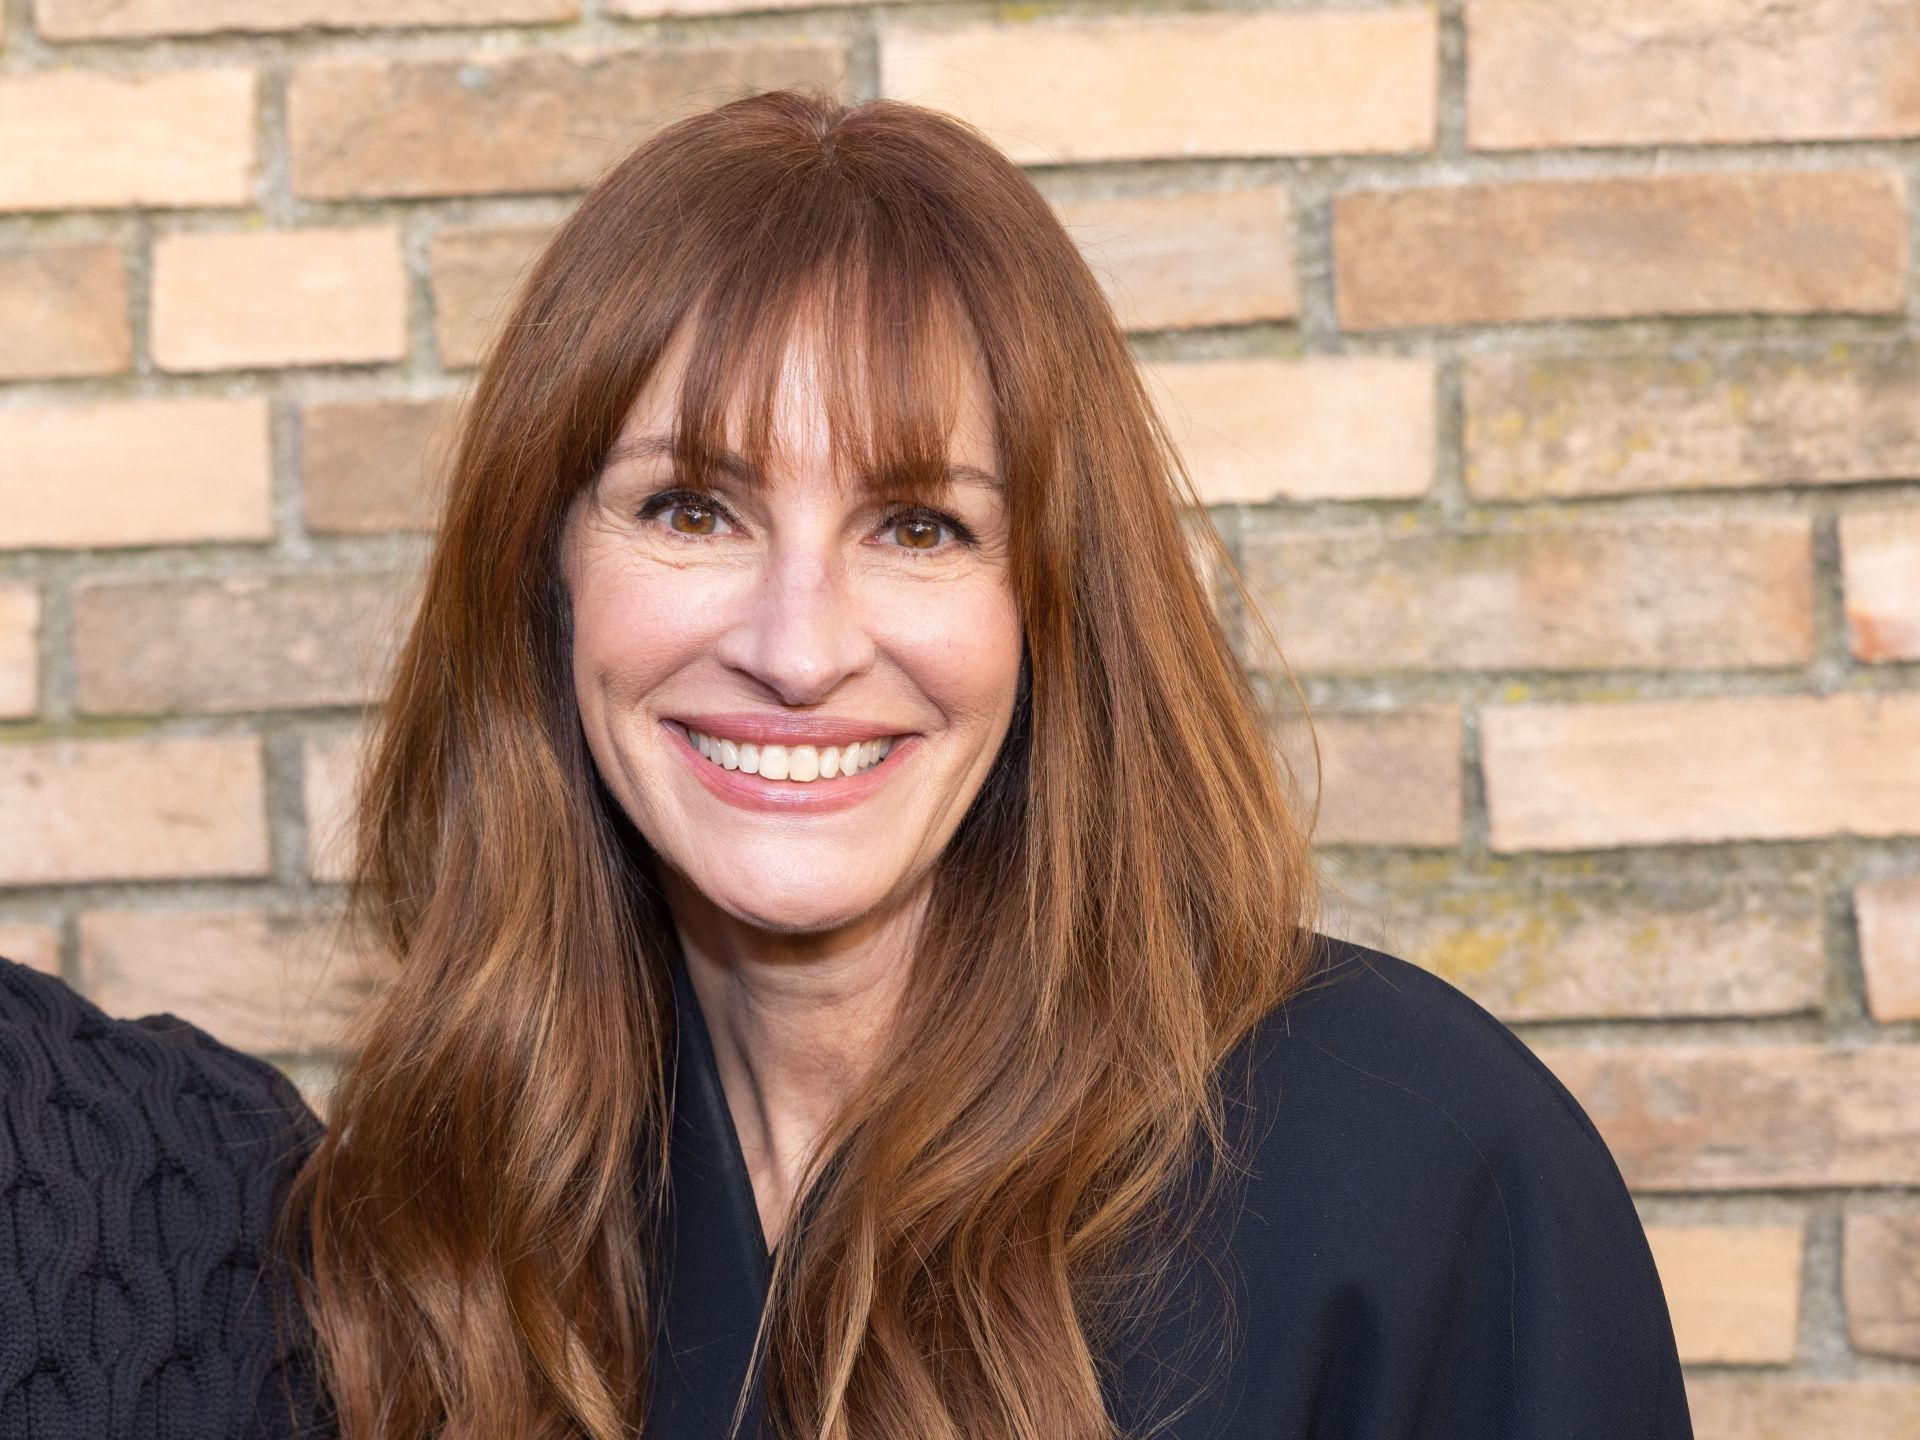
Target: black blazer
(1433,1242)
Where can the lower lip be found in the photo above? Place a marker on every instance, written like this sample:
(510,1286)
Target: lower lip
(785,797)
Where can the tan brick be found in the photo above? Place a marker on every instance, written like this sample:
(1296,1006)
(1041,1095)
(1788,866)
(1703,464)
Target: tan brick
(331,764)
(477,271)
(35,946)
(1595,776)
(19,650)
(130,19)
(1575,952)
(1888,913)
(243,643)
(1169,262)
(1326,428)
(1062,90)
(267,983)
(136,472)
(1764,1407)
(362,126)
(1548,73)
(1692,1116)
(1733,1291)
(88,139)
(1882,1277)
(1683,594)
(374,465)
(1386,777)
(1621,424)
(145,809)
(63,312)
(1759,242)
(279,297)
(1880,562)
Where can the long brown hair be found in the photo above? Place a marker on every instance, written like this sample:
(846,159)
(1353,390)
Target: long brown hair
(1130,892)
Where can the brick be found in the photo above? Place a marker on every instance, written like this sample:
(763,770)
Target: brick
(1171,262)
(1578,952)
(132,19)
(35,946)
(1888,912)
(1594,776)
(1549,73)
(1326,428)
(1059,91)
(1881,1275)
(1758,242)
(375,465)
(279,297)
(1763,1407)
(1880,566)
(19,650)
(1386,777)
(136,472)
(266,983)
(1682,594)
(63,312)
(1623,424)
(1733,1291)
(92,139)
(243,643)
(363,126)
(476,272)
(330,763)
(1684,1115)
(185,807)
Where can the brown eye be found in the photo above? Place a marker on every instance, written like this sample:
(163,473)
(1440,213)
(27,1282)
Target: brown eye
(690,519)
(918,533)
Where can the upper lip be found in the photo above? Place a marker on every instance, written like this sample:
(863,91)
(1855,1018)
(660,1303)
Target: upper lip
(762,727)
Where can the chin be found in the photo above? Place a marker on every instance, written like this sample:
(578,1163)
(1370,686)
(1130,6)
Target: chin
(803,910)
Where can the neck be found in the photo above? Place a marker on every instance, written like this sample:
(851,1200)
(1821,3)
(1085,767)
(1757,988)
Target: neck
(796,1022)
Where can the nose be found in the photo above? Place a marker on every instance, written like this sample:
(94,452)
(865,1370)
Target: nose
(801,632)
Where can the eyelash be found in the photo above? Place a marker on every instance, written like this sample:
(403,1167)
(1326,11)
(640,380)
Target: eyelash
(668,499)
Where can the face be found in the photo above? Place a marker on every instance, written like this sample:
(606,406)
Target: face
(794,694)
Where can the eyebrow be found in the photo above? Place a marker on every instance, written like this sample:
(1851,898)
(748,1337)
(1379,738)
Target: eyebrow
(649,447)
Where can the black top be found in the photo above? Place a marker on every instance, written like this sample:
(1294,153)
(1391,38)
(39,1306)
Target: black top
(1432,1243)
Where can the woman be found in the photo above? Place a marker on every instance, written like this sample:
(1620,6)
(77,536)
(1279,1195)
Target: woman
(855,970)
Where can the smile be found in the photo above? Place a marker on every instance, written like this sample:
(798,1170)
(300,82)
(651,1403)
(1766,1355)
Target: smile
(800,764)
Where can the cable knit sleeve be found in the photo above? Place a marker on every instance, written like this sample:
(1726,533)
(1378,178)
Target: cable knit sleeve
(142,1164)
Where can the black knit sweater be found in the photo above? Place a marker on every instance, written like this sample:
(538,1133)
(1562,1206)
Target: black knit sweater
(141,1167)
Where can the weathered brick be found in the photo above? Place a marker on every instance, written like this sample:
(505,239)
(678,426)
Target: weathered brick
(1529,953)
(265,982)
(1690,1116)
(1786,242)
(363,126)
(1888,913)
(1619,424)
(35,946)
(19,650)
(146,809)
(330,763)
(1168,262)
(1733,1291)
(644,9)
(136,472)
(1547,73)
(1681,594)
(1766,1407)
(373,465)
(130,19)
(1387,777)
(87,139)
(63,312)
(1061,90)
(476,272)
(1326,428)
(1881,1273)
(279,297)
(1880,562)
(1599,775)
(243,643)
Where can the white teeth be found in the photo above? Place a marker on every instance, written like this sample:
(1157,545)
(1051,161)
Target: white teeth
(750,758)
(803,764)
(799,764)
(773,762)
(729,755)
(829,762)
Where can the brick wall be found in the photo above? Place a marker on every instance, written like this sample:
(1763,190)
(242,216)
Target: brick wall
(1551,367)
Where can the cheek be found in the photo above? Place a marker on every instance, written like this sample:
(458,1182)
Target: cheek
(962,649)
(632,627)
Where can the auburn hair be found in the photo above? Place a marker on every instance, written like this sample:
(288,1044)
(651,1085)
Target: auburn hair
(478,1233)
